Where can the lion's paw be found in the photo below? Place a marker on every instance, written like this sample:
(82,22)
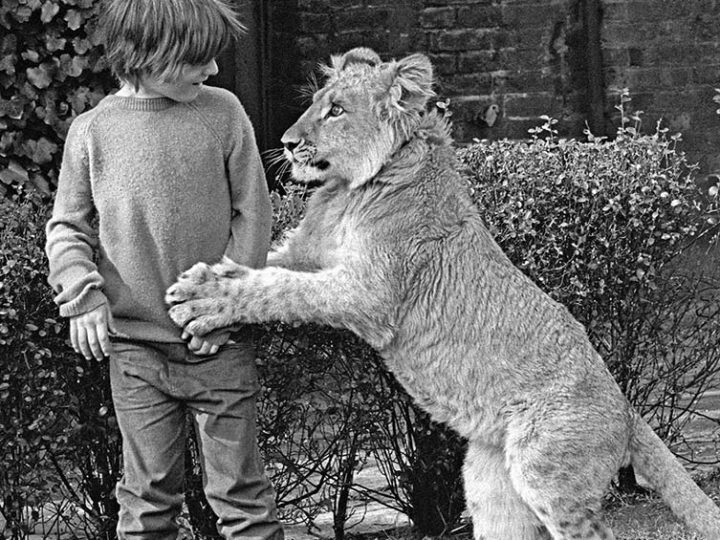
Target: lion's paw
(198,317)
(206,297)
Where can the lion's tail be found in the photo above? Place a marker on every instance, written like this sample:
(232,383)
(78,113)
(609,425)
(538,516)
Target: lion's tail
(652,459)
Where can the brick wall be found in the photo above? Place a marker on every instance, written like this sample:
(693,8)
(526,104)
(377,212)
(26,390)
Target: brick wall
(526,57)
(668,54)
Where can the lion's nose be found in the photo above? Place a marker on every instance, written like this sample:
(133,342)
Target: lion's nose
(291,145)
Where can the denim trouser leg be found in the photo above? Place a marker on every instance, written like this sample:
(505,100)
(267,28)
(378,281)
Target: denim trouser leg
(152,389)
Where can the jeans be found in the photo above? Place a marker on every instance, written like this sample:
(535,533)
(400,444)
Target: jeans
(153,385)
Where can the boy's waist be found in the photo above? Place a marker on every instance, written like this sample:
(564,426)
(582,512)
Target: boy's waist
(151,332)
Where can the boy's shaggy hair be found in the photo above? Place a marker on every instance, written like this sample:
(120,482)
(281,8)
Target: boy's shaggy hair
(156,37)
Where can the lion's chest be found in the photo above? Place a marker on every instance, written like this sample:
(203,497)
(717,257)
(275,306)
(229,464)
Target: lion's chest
(328,236)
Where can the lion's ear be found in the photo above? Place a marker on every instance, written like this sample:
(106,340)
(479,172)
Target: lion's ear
(411,82)
(358,55)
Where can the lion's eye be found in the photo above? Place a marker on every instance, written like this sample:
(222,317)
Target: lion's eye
(336,110)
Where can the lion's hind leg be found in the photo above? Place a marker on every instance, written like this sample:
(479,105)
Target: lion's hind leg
(566,518)
(496,509)
(561,469)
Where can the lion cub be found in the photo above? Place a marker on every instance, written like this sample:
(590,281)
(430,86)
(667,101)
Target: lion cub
(393,249)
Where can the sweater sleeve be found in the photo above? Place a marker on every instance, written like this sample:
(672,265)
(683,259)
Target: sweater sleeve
(71,240)
(251,209)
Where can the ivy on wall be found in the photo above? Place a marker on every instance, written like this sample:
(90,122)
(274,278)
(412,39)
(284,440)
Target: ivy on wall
(51,70)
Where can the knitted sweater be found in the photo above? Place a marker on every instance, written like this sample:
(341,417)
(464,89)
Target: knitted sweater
(147,188)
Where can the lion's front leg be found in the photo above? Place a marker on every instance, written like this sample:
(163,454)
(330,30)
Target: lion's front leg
(205,298)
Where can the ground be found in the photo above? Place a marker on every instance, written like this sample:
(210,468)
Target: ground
(631,517)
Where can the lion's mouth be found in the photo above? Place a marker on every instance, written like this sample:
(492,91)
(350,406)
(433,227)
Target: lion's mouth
(320,164)
(307,161)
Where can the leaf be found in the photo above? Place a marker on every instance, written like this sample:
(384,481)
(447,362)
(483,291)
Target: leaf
(31,56)
(40,77)
(49,10)
(7,64)
(42,185)
(81,45)
(73,66)
(14,174)
(40,151)
(74,19)
(23,14)
(54,43)
(78,99)
(12,108)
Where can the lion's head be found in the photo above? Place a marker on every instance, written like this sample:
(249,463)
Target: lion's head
(364,113)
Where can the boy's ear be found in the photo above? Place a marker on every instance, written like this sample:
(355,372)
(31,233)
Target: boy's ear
(410,82)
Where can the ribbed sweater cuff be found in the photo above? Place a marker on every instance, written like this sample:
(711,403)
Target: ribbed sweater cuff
(91,299)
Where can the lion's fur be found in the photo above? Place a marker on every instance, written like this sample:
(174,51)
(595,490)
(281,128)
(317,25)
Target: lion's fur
(392,248)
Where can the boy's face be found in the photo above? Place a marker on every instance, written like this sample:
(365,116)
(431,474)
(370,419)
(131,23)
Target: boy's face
(186,87)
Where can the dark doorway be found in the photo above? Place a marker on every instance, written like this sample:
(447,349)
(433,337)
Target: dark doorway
(244,68)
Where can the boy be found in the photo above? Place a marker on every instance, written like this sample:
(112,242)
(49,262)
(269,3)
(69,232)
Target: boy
(171,170)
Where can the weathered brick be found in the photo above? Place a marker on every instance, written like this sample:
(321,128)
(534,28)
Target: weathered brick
(314,22)
(680,122)
(316,5)
(438,17)
(513,59)
(400,44)
(535,104)
(307,45)
(463,40)
(526,40)
(651,10)
(472,84)
(680,53)
(657,77)
(479,16)
(705,26)
(478,61)
(614,10)
(514,127)
(534,2)
(530,80)
(706,74)
(615,56)
(669,100)
(414,5)
(467,108)
(437,3)
(526,16)
(345,4)
(444,63)
(629,34)
(362,18)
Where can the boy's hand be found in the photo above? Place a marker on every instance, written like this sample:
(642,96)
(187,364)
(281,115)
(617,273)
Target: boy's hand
(207,344)
(89,332)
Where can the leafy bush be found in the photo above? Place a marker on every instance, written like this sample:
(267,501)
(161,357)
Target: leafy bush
(604,227)
(58,443)
(51,70)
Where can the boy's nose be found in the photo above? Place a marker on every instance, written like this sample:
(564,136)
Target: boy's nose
(212,68)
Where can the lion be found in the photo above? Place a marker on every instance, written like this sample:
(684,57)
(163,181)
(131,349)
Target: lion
(393,249)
